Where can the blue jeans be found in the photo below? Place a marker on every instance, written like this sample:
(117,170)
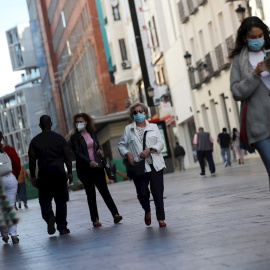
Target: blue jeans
(226,151)
(21,192)
(263,147)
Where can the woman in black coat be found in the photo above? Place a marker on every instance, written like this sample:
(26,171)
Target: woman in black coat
(89,167)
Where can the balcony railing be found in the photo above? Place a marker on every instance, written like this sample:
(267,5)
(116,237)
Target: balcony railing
(214,62)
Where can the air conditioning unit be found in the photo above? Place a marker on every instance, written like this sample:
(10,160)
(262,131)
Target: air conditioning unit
(126,64)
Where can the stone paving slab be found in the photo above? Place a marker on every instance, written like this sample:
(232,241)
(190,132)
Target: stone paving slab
(220,222)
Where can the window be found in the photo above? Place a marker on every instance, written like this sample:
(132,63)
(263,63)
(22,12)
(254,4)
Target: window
(183,17)
(18,52)
(155,31)
(116,14)
(5,122)
(151,35)
(123,49)
(13,124)
(10,38)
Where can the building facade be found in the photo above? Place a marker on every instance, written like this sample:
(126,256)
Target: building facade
(19,117)
(75,55)
(21,110)
(208,29)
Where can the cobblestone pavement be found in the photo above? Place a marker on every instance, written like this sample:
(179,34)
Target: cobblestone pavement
(220,222)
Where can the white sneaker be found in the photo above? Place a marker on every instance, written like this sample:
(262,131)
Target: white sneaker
(213,174)
(226,163)
(202,175)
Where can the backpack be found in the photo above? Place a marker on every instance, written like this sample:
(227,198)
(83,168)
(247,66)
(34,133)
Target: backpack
(5,164)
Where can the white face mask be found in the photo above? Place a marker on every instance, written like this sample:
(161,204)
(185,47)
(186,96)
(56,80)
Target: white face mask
(80,126)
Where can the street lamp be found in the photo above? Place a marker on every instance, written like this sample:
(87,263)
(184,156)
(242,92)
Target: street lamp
(240,13)
(201,66)
(150,91)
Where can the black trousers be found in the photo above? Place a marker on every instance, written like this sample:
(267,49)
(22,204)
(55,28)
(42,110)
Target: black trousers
(49,190)
(157,188)
(208,155)
(95,177)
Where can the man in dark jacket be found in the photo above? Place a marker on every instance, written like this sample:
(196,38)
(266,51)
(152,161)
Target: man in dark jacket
(179,154)
(204,143)
(52,152)
(224,140)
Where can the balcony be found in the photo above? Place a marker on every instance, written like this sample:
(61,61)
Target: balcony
(212,65)
(123,72)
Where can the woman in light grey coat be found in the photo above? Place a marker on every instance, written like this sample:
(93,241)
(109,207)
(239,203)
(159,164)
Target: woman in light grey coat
(251,85)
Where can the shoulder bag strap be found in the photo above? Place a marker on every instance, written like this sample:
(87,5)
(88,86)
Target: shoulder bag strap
(144,138)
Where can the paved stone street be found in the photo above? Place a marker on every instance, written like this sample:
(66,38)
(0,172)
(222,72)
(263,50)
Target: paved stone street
(220,222)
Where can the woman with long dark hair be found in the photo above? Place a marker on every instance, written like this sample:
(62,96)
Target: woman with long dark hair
(250,85)
(86,148)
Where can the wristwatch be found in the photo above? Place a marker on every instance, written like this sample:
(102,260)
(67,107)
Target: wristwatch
(151,149)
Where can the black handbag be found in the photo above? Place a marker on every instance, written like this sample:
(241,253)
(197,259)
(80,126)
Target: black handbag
(139,167)
(108,169)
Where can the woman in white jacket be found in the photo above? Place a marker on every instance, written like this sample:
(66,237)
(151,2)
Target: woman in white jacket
(131,147)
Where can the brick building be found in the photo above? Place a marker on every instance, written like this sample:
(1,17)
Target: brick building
(77,66)
(81,77)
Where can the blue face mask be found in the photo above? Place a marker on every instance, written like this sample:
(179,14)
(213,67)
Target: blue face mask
(139,117)
(256,44)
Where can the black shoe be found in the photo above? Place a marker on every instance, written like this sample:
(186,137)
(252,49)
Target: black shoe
(117,219)
(20,206)
(51,229)
(16,208)
(64,231)
(202,175)
(25,206)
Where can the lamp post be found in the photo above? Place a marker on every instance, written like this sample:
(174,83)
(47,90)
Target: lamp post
(150,91)
(192,69)
(140,49)
(240,13)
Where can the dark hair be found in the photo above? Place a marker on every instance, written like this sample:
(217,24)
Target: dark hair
(224,130)
(45,121)
(246,25)
(87,118)
(234,134)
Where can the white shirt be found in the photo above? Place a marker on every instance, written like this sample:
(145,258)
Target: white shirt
(254,59)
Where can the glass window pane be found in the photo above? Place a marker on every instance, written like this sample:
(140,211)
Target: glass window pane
(13,123)
(5,122)
(18,143)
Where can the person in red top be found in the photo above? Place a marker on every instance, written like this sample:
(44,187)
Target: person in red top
(15,160)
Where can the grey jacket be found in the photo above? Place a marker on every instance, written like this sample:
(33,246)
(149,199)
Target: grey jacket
(246,84)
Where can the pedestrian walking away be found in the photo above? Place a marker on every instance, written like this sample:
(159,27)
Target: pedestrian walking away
(51,151)
(250,84)
(204,144)
(179,154)
(90,169)
(131,147)
(236,146)
(224,140)
(9,172)
(21,193)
